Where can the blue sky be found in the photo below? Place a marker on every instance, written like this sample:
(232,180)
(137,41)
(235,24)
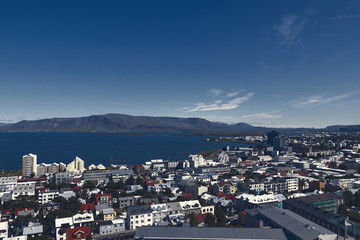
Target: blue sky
(267,63)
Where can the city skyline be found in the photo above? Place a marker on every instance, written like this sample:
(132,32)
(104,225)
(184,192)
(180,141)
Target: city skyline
(272,64)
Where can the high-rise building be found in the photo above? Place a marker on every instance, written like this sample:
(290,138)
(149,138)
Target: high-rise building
(29,165)
(270,137)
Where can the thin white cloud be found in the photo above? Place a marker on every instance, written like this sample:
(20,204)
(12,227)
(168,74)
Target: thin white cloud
(219,105)
(290,29)
(264,115)
(232,94)
(319,100)
(345,17)
(215,92)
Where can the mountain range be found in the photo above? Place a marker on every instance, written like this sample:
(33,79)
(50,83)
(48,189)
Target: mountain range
(127,123)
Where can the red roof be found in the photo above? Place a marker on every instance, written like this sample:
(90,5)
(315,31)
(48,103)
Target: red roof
(98,196)
(76,180)
(188,195)
(31,179)
(78,233)
(202,217)
(22,210)
(88,207)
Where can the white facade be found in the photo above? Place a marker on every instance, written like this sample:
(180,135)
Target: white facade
(29,165)
(76,166)
(4,227)
(197,160)
(46,197)
(23,188)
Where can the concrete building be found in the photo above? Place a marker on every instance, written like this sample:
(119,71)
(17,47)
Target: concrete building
(224,187)
(97,175)
(23,188)
(47,197)
(294,226)
(76,166)
(138,216)
(198,233)
(29,165)
(111,226)
(245,200)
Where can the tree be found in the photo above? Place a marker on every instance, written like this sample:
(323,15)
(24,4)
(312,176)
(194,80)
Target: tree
(130,180)
(332,165)
(193,221)
(343,166)
(139,181)
(342,210)
(220,217)
(210,220)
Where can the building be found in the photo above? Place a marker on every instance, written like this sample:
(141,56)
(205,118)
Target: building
(47,197)
(97,175)
(4,228)
(76,166)
(108,214)
(280,186)
(79,233)
(23,188)
(138,216)
(195,189)
(244,201)
(66,177)
(224,187)
(124,202)
(198,233)
(327,201)
(33,229)
(294,226)
(29,165)
(111,226)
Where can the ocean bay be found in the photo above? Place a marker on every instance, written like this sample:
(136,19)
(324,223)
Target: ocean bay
(99,147)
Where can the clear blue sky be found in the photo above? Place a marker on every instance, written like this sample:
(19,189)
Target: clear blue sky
(268,63)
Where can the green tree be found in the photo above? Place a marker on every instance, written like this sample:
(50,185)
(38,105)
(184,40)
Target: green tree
(210,220)
(193,221)
(139,181)
(342,210)
(130,180)
(220,217)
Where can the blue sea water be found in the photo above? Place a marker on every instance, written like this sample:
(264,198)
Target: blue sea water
(99,148)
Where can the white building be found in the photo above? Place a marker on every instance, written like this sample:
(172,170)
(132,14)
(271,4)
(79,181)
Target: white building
(46,197)
(4,227)
(23,188)
(197,160)
(29,164)
(138,216)
(76,166)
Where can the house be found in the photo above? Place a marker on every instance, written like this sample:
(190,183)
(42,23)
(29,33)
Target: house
(224,187)
(195,188)
(33,229)
(108,214)
(138,216)
(104,199)
(126,201)
(201,218)
(111,226)
(24,212)
(79,233)
(4,228)
(89,207)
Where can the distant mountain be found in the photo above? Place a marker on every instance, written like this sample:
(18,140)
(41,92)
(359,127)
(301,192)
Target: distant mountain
(123,123)
(343,128)
(3,124)
(127,123)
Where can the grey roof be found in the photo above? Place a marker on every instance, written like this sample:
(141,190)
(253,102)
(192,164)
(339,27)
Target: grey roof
(291,222)
(108,211)
(196,233)
(135,210)
(34,228)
